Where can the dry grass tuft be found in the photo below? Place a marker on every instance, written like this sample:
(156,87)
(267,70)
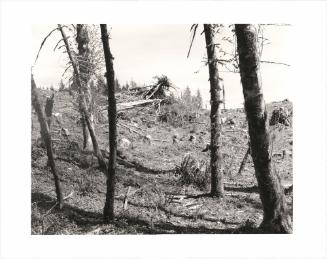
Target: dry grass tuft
(194,172)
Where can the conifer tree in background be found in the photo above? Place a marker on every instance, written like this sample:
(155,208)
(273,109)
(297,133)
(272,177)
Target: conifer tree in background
(198,99)
(187,96)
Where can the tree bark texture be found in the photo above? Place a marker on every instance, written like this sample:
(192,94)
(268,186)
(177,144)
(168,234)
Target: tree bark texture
(82,38)
(48,109)
(108,211)
(83,106)
(245,158)
(276,218)
(224,96)
(45,134)
(217,185)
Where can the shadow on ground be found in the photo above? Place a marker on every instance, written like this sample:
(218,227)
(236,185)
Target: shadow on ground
(86,221)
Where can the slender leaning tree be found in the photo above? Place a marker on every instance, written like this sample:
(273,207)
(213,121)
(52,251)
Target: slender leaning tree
(83,39)
(46,136)
(82,103)
(276,218)
(108,211)
(217,185)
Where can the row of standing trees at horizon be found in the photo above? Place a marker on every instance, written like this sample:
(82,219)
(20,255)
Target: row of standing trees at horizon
(276,218)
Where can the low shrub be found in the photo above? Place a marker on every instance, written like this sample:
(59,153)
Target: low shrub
(177,114)
(194,172)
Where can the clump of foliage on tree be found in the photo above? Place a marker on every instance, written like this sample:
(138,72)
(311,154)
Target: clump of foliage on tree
(160,89)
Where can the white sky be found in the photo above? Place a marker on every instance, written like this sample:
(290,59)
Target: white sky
(144,51)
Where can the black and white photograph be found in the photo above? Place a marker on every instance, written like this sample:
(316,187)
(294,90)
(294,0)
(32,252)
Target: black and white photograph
(174,138)
(152,129)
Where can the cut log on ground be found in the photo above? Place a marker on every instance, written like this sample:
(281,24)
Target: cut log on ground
(131,105)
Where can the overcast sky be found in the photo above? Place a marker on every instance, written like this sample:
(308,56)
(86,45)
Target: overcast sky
(144,51)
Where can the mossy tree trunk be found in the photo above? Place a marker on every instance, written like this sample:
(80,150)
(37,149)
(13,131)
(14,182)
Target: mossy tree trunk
(276,218)
(217,185)
(46,136)
(108,211)
(82,38)
(83,106)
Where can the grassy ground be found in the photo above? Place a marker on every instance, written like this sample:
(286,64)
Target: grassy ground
(158,202)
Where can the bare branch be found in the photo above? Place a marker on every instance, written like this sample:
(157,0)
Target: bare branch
(73,25)
(194,28)
(44,40)
(277,63)
(70,65)
(275,24)
(58,43)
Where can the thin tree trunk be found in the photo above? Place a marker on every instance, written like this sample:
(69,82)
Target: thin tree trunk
(108,211)
(86,134)
(217,185)
(48,109)
(45,134)
(48,112)
(82,39)
(245,158)
(276,218)
(224,96)
(82,104)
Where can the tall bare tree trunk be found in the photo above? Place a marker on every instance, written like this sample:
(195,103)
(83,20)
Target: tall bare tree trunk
(45,134)
(48,109)
(276,218)
(82,38)
(217,185)
(108,211)
(224,96)
(82,105)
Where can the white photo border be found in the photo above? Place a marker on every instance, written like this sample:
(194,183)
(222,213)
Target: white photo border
(308,19)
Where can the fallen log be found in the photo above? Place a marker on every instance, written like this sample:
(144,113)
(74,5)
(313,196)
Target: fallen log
(131,130)
(130,105)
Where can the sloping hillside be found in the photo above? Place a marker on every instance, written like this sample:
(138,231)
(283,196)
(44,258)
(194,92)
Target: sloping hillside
(158,201)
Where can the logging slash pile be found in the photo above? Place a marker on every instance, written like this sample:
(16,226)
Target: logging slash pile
(280,115)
